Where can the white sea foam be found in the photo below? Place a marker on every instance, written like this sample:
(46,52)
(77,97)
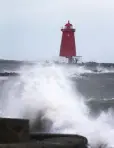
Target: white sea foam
(47,88)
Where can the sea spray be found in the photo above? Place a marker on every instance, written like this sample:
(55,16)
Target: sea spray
(45,91)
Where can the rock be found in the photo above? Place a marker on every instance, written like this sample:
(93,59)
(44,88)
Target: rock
(61,139)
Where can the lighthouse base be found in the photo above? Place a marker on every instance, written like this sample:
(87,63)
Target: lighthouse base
(73,60)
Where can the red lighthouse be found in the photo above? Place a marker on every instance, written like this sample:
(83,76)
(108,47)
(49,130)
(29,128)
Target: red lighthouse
(68,45)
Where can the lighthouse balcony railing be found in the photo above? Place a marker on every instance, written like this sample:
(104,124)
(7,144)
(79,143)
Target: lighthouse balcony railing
(67,29)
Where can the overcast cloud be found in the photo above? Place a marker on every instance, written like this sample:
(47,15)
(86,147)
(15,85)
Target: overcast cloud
(30,29)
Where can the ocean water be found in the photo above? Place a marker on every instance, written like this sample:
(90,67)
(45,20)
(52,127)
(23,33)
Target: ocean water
(61,98)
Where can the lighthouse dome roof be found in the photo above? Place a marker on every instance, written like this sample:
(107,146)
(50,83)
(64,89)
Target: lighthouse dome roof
(68,24)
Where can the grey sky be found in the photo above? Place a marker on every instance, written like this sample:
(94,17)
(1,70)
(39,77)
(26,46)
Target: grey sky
(30,29)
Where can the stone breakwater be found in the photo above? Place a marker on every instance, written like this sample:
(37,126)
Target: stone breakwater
(14,133)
